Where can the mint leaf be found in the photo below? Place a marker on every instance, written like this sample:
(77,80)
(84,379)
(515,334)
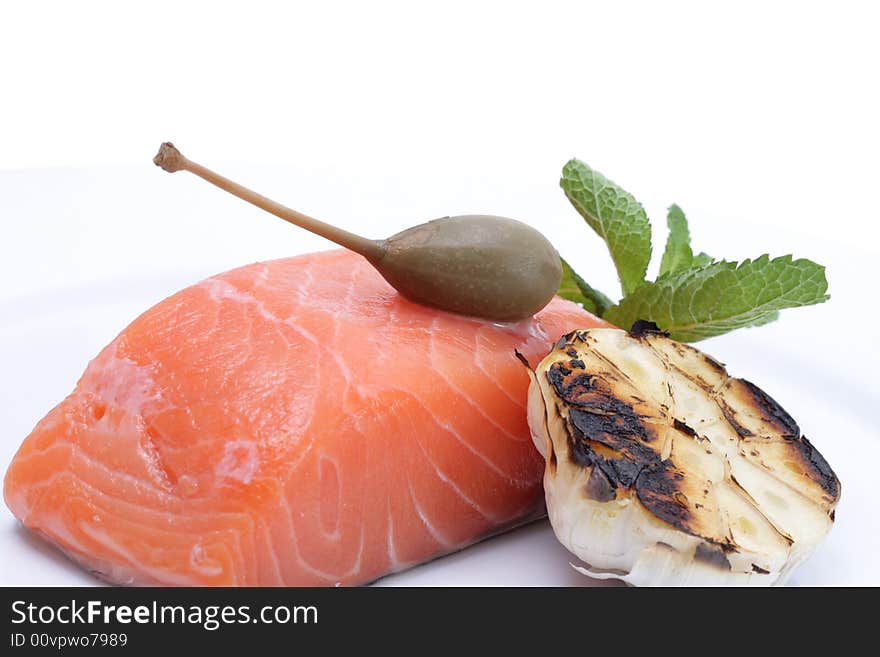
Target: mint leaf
(678,254)
(700,303)
(574,288)
(702,259)
(616,216)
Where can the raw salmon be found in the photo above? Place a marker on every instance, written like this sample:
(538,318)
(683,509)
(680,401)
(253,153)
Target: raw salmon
(294,422)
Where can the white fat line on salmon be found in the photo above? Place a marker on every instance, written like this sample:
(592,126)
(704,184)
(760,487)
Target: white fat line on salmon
(478,353)
(356,567)
(448,481)
(77,452)
(297,553)
(435,534)
(349,296)
(322,461)
(393,561)
(228,291)
(448,428)
(97,495)
(219,289)
(160,574)
(432,353)
(458,437)
(76,552)
(337,534)
(201,563)
(269,548)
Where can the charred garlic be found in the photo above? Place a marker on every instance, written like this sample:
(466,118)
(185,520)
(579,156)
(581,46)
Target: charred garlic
(661,469)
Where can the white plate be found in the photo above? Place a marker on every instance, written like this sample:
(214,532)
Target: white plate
(46,340)
(79,261)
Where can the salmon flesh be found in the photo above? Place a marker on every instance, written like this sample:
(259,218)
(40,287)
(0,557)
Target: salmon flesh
(288,423)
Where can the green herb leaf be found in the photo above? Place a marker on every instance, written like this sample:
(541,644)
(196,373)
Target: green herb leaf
(694,296)
(574,288)
(678,255)
(702,259)
(700,303)
(616,216)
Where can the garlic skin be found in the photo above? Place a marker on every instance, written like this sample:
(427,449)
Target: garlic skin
(663,470)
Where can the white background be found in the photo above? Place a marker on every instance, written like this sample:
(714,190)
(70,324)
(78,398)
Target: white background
(759,119)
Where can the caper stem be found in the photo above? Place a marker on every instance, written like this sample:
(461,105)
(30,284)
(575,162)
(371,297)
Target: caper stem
(170,159)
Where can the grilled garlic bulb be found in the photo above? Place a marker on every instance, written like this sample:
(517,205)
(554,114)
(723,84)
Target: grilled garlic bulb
(661,469)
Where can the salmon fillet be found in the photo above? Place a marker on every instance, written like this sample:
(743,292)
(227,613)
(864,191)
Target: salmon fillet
(294,422)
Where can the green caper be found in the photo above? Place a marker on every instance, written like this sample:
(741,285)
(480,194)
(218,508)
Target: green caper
(478,265)
(485,266)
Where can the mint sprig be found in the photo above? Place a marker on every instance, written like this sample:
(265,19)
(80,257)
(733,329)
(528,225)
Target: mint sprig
(694,297)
